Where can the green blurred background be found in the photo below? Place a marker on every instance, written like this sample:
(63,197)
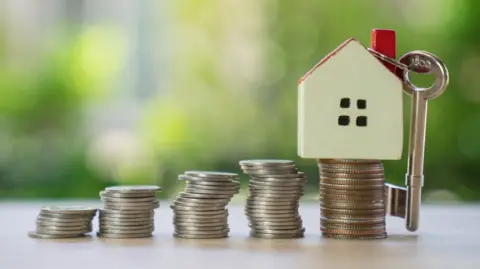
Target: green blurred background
(98,93)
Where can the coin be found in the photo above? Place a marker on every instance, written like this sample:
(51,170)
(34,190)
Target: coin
(201,207)
(128,211)
(36,235)
(197,236)
(355,237)
(265,163)
(70,210)
(276,236)
(55,222)
(352,198)
(216,184)
(133,189)
(124,236)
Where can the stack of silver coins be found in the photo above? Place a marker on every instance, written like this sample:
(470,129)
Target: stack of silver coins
(55,222)
(272,205)
(352,199)
(199,212)
(128,211)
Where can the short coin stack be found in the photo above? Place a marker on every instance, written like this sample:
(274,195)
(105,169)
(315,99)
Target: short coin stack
(199,212)
(352,199)
(128,211)
(272,205)
(55,222)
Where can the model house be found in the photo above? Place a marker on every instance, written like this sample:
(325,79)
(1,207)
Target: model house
(350,107)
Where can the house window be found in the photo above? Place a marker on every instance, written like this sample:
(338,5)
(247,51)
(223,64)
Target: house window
(343,120)
(345,102)
(361,121)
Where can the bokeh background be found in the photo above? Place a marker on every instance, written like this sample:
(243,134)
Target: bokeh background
(98,93)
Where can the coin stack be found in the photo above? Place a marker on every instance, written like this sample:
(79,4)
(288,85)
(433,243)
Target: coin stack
(128,211)
(55,222)
(352,199)
(199,212)
(272,205)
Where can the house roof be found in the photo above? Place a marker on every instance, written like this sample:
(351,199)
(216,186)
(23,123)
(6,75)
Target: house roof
(333,53)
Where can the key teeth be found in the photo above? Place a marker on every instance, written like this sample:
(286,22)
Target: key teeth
(395,200)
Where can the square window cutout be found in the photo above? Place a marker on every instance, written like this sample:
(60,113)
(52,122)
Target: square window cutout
(343,120)
(361,121)
(345,102)
(361,104)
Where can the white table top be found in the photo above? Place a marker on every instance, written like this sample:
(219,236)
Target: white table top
(449,237)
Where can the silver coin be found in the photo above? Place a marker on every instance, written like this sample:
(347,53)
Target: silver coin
(276,236)
(133,189)
(201,232)
(270,172)
(127,195)
(128,215)
(267,205)
(203,201)
(186,229)
(265,163)
(36,235)
(210,192)
(111,226)
(257,189)
(124,236)
(63,220)
(279,180)
(274,192)
(271,201)
(275,227)
(205,179)
(355,237)
(199,220)
(131,207)
(196,208)
(69,210)
(260,201)
(275,221)
(209,236)
(272,213)
(233,189)
(182,212)
(199,217)
(274,195)
(283,208)
(255,197)
(63,224)
(199,224)
(211,174)
(60,232)
(297,176)
(125,231)
(366,221)
(283,231)
(204,196)
(66,217)
(126,220)
(129,200)
(216,184)
(273,218)
(273,184)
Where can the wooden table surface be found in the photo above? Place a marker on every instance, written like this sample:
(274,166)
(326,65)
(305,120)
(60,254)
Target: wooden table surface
(449,237)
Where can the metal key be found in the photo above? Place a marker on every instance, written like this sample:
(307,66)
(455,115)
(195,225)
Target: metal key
(425,63)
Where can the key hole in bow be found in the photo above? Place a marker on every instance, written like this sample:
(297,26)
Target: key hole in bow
(421,81)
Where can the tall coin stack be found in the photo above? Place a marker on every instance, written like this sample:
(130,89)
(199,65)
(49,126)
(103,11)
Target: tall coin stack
(199,212)
(352,199)
(272,205)
(128,211)
(55,222)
